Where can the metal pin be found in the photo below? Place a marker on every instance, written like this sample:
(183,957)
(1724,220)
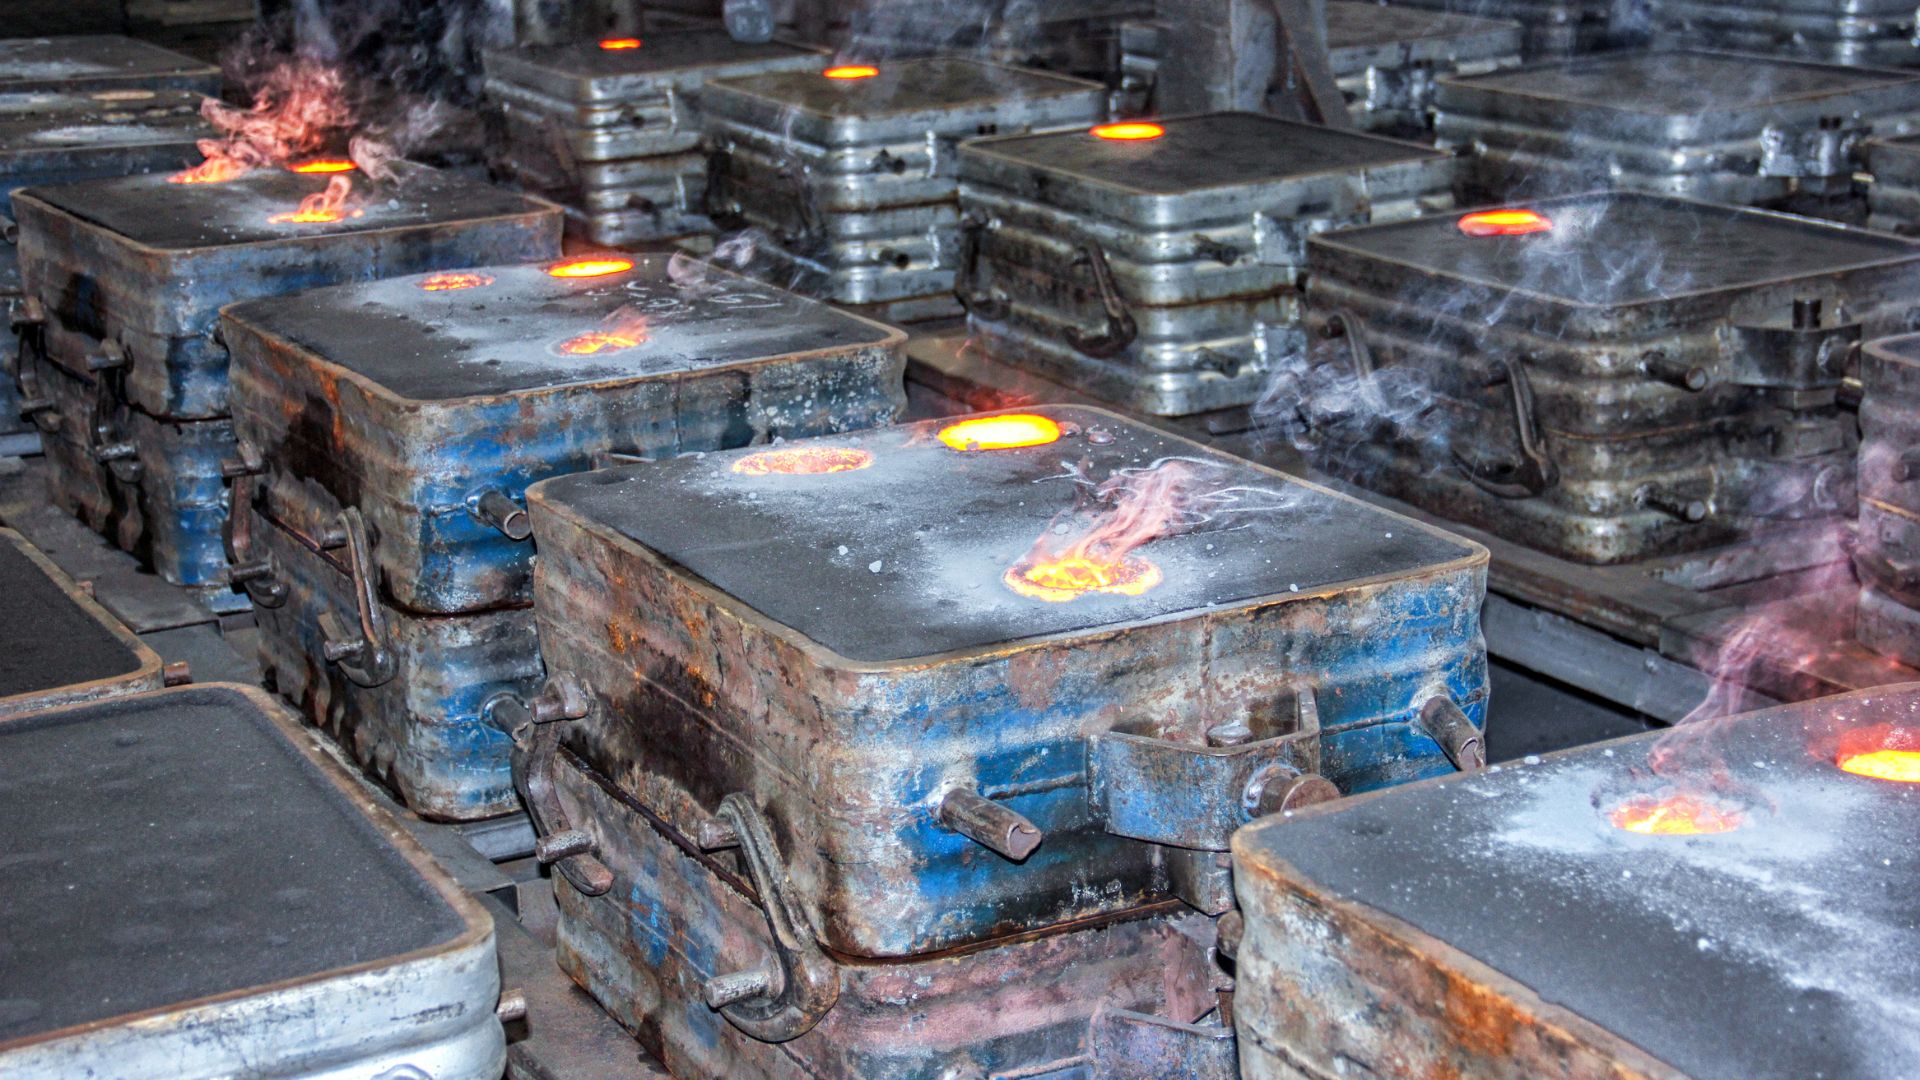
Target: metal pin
(715,835)
(735,987)
(1445,724)
(989,823)
(512,1006)
(1677,372)
(115,452)
(1689,510)
(497,508)
(562,845)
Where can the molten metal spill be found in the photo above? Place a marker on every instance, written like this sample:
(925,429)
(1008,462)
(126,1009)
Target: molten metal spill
(851,71)
(1072,576)
(1009,432)
(618,44)
(321,207)
(599,341)
(324,165)
(1678,814)
(1881,752)
(589,266)
(1511,222)
(803,461)
(448,280)
(1142,506)
(1129,131)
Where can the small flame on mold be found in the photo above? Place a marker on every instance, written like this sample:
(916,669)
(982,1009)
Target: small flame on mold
(619,44)
(1009,432)
(1139,507)
(1072,576)
(1504,222)
(619,331)
(321,207)
(1675,814)
(1881,752)
(448,280)
(803,461)
(324,165)
(214,170)
(851,71)
(589,266)
(1128,131)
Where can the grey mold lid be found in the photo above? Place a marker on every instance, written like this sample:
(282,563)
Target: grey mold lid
(1688,83)
(50,641)
(175,846)
(584,72)
(1783,948)
(45,62)
(1357,26)
(34,126)
(151,211)
(1618,249)
(504,336)
(905,558)
(1143,180)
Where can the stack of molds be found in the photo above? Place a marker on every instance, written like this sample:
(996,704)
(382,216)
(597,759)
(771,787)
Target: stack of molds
(284,924)
(850,172)
(100,62)
(1887,556)
(1893,196)
(1766,865)
(1718,126)
(388,430)
(1384,59)
(1602,377)
(1073,37)
(58,136)
(1552,29)
(60,647)
(124,280)
(1157,265)
(612,129)
(1879,32)
(840,788)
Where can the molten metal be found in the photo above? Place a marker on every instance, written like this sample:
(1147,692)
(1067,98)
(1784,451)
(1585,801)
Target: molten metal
(1144,505)
(851,71)
(324,165)
(1674,815)
(1881,752)
(1504,223)
(1072,576)
(321,207)
(589,266)
(1009,432)
(214,170)
(448,280)
(1129,131)
(600,341)
(803,461)
(616,44)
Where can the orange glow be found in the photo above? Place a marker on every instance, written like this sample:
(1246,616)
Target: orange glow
(447,280)
(214,170)
(1674,815)
(803,461)
(1073,576)
(324,165)
(600,341)
(851,71)
(1129,131)
(321,207)
(1009,432)
(616,44)
(1881,752)
(1504,223)
(589,266)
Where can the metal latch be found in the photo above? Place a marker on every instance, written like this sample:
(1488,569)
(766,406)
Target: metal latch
(1821,151)
(1531,471)
(361,652)
(534,727)
(252,571)
(1809,352)
(1192,795)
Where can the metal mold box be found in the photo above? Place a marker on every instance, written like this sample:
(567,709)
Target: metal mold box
(1864,32)
(408,405)
(60,646)
(842,648)
(55,137)
(1893,196)
(1161,274)
(100,62)
(1887,555)
(1633,381)
(1716,126)
(283,925)
(1501,926)
(1553,28)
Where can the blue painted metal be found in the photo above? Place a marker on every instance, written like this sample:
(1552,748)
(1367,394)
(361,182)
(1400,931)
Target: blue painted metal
(705,684)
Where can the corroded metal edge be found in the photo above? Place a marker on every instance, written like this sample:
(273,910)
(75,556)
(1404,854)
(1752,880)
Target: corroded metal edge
(147,675)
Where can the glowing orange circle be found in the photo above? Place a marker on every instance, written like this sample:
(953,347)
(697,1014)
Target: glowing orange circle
(1505,222)
(1674,815)
(851,71)
(803,461)
(616,44)
(1128,131)
(1009,432)
(324,165)
(312,217)
(1899,766)
(454,279)
(594,342)
(589,266)
(1071,577)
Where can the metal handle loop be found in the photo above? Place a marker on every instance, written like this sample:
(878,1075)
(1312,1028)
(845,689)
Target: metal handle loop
(105,442)
(1120,330)
(535,731)
(974,300)
(1533,472)
(362,654)
(252,571)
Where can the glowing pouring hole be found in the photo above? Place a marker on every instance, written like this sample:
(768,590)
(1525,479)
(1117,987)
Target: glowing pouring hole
(598,266)
(617,44)
(1009,432)
(851,71)
(1674,815)
(448,280)
(1130,131)
(1071,577)
(803,461)
(1511,222)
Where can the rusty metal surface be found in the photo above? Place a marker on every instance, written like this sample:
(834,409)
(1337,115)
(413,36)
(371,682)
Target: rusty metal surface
(651,947)
(423,731)
(100,62)
(62,648)
(323,939)
(1777,948)
(469,394)
(1576,422)
(849,691)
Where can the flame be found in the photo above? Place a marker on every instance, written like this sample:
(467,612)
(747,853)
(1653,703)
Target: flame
(589,266)
(447,280)
(321,207)
(616,44)
(851,71)
(324,165)
(1144,506)
(803,461)
(1009,432)
(1881,752)
(1504,222)
(297,110)
(214,170)
(1678,814)
(1128,131)
(621,330)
